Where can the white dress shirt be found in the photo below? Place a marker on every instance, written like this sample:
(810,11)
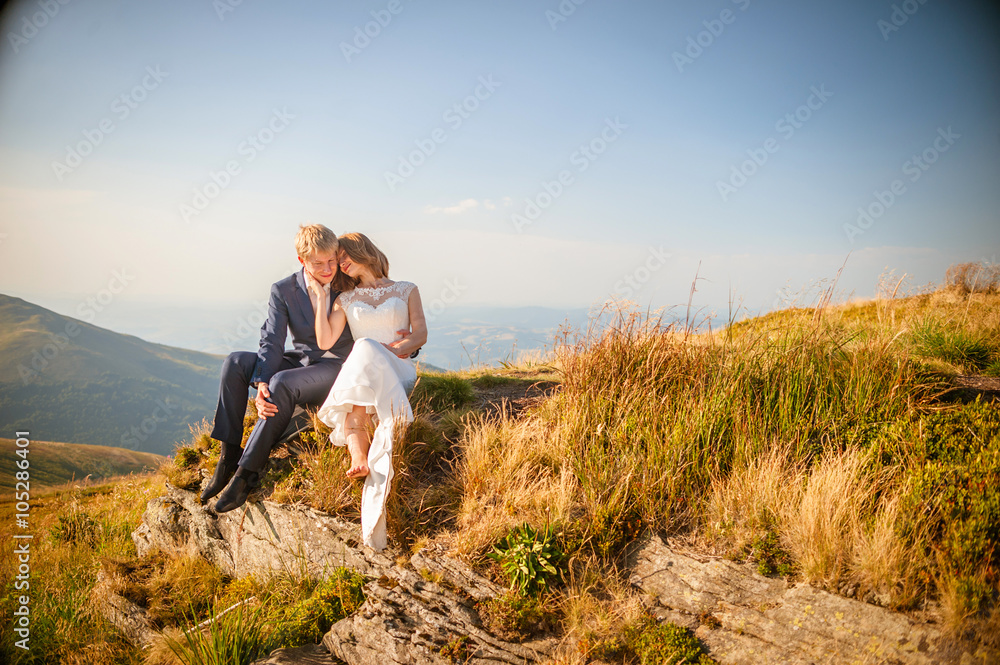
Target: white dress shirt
(313,289)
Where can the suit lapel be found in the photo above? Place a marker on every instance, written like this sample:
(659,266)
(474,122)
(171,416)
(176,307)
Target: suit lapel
(301,296)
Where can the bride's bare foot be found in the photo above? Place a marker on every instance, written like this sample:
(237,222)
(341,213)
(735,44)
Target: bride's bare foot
(359,469)
(358,444)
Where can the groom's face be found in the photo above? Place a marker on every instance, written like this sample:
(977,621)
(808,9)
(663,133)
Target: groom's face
(322,266)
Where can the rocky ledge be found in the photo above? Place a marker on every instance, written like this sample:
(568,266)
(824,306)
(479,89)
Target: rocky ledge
(415,608)
(744,618)
(411,611)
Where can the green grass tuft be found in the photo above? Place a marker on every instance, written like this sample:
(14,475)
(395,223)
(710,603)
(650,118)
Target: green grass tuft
(953,345)
(665,643)
(440,392)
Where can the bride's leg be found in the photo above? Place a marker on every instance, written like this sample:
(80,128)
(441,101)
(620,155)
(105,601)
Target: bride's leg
(358,441)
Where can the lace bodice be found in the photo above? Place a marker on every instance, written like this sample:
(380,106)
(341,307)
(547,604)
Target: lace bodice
(378,312)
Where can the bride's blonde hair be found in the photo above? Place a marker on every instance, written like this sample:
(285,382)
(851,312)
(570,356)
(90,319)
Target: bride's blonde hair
(362,250)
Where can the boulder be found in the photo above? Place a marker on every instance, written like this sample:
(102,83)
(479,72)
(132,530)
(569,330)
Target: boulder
(411,610)
(744,618)
(258,538)
(409,617)
(419,607)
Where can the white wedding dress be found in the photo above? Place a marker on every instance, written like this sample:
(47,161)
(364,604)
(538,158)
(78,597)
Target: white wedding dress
(372,376)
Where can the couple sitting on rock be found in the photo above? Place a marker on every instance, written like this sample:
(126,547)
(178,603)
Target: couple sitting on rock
(354,332)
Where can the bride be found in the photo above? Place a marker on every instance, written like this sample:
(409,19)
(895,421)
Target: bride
(387,322)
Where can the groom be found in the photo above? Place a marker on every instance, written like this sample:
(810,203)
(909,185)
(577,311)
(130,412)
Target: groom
(303,375)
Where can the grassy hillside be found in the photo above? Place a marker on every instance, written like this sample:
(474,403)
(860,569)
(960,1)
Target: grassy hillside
(53,464)
(65,380)
(855,448)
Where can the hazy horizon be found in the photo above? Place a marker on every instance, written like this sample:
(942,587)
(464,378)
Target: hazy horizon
(556,155)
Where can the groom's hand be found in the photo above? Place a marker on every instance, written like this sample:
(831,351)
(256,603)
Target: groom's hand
(265,409)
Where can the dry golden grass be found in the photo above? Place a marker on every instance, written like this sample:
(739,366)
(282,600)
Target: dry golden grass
(884,563)
(801,424)
(596,605)
(67,625)
(818,524)
(510,471)
(159,651)
(966,278)
(750,501)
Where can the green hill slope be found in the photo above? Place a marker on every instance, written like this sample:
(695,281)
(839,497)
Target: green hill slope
(65,380)
(54,463)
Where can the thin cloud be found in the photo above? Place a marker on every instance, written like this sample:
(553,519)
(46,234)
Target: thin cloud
(457,209)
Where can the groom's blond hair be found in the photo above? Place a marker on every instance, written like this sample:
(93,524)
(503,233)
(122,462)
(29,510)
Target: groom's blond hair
(313,239)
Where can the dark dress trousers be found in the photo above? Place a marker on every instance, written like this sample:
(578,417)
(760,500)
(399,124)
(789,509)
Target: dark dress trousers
(300,376)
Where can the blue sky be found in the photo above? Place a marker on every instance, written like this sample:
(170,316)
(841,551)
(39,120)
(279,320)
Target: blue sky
(532,92)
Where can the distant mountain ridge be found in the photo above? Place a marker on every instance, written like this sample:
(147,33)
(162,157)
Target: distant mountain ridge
(53,464)
(67,380)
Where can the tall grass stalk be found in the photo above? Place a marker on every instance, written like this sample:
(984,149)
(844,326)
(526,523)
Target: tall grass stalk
(232,637)
(650,419)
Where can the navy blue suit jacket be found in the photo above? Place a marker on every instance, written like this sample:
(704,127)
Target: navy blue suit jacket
(289,308)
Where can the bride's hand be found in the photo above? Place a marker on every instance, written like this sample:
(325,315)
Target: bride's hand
(394,346)
(392,349)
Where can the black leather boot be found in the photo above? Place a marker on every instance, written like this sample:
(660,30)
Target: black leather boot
(236,493)
(229,461)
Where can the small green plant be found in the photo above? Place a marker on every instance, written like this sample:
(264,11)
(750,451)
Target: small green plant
(456,651)
(513,617)
(182,470)
(334,598)
(953,345)
(955,494)
(186,457)
(76,527)
(529,558)
(664,644)
(233,637)
(771,559)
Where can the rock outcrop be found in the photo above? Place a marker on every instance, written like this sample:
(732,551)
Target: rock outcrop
(264,537)
(411,611)
(126,616)
(428,604)
(744,618)
(408,617)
